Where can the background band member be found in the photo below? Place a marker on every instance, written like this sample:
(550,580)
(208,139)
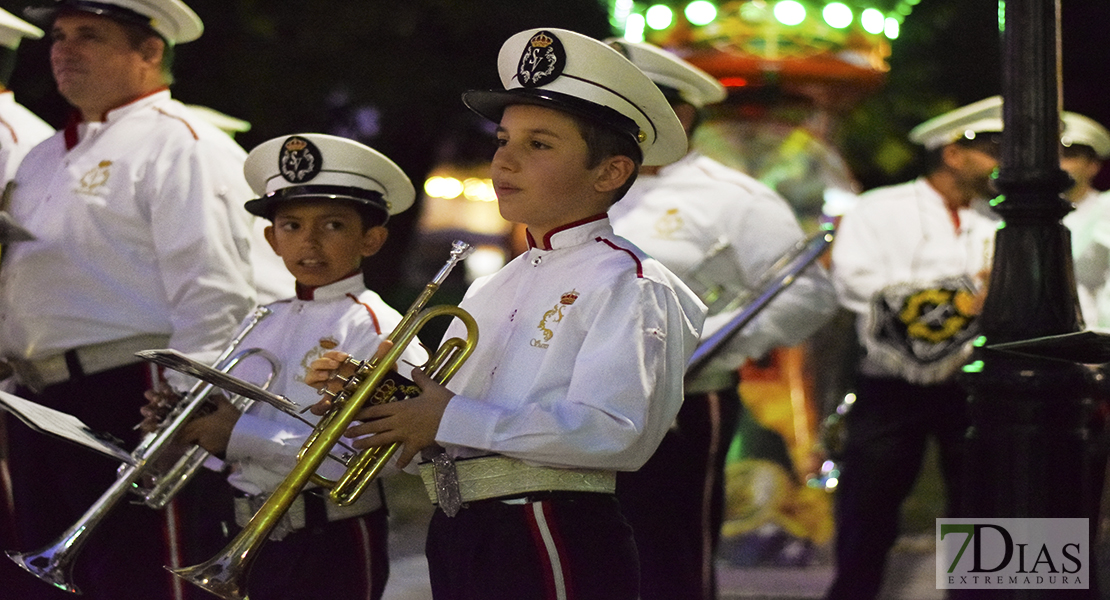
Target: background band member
(719,230)
(139,245)
(911,261)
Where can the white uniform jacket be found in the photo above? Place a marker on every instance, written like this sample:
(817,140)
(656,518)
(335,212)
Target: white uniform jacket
(139,232)
(720,229)
(20,130)
(1089,224)
(343,316)
(582,346)
(905,234)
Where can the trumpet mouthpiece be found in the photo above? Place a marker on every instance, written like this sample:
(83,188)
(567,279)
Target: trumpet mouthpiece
(461,249)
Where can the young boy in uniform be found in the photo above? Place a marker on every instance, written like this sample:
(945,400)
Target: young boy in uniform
(328,199)
(582,346)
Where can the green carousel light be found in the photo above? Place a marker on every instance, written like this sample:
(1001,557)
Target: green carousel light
(873,21)
(837,15)
(659,17)
(891,28)
(789,12)
(634,28)
(621,10)
(700,12)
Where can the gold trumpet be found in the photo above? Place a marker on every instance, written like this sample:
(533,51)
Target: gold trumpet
(226,574)
(54,563)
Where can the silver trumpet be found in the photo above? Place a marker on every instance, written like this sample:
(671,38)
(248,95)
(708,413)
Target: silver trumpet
(54,563)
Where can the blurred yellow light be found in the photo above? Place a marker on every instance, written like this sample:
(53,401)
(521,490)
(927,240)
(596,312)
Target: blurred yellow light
(480,190)
(700,12)
(873,21)
(485,260)
(837,15)
(790,12)
(443,187)
(659,17)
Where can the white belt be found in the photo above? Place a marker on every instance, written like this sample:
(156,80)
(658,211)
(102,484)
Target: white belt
(489,477)
(294,519)
(41,373)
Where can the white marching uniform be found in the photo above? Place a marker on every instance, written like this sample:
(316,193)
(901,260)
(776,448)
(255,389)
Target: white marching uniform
(904,234)
(139,231)
(720,231)
(20,130)
(579,362)
(697,208)
(1089,224)
(343,316)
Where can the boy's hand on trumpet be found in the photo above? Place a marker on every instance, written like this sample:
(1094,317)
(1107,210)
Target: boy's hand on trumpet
(212,429)
(413,423)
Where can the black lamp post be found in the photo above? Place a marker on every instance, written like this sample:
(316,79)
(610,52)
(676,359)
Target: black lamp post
(1027,445)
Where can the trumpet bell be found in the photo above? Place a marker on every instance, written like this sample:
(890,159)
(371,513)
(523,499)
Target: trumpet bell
(220,576)
(53,564)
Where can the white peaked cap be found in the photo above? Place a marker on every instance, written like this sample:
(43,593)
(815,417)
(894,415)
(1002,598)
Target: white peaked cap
(978,117)
(577,74)
(13,30)
(171,19)
(694,86)
(318,166)
(1078,129)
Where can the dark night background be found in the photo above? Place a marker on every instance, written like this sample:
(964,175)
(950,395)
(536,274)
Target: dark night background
(390,73)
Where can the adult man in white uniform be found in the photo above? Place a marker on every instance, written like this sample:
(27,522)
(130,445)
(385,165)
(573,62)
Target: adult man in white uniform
(139,245)
(719,230)
(1085,144)
(911,261)
(20,129)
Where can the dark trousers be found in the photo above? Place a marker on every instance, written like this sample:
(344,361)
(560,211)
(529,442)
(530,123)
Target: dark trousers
(887,430)
(575,543)
(675,502)
(341,560)
(54,482)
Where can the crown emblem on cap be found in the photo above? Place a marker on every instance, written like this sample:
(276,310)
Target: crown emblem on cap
(542,61)
(299,160)
(568,298)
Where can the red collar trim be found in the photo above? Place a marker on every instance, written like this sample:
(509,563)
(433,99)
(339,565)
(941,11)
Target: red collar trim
(75,119)
(104,117)
(547,236)
(70,130)
(308,292)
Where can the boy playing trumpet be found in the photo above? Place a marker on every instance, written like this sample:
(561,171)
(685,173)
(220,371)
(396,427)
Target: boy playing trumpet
(328,199)
(583,342)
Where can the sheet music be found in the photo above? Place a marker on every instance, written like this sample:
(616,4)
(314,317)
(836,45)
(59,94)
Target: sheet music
(1085,347)
(63,425)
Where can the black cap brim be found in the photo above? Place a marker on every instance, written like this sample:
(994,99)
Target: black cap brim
(266,205)
(491,105)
